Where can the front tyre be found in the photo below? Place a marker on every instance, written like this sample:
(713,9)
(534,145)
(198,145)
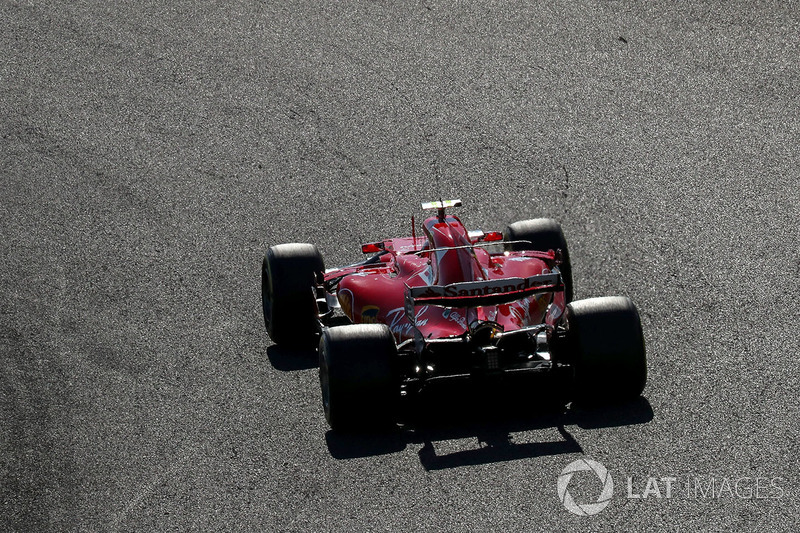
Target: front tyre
(289,275)
(543,234)
(358,377)
(604,341)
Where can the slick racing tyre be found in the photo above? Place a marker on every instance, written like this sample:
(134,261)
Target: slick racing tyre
(604,341)
(544,234)
(358,377)
(289,276)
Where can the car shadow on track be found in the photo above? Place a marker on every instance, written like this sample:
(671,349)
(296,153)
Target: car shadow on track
(492,422)
(293,359)
(290,360)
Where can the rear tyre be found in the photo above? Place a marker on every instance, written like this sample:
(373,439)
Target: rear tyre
(604,342)
(544,234)
(289,275)
(358,377)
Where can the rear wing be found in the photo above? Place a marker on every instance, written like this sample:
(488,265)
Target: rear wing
(440,206)
(482,293)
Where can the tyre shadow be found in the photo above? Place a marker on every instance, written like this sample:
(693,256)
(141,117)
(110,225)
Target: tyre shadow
(638,411)
(291,360)
(491,418)
(355,445)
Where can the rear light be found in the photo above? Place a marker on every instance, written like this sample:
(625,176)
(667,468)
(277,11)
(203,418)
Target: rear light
(493,236)
(371,248)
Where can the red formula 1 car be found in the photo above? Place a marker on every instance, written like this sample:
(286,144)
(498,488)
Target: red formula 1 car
(449,303)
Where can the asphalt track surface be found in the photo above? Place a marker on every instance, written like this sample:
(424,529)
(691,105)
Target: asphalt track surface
(150,151)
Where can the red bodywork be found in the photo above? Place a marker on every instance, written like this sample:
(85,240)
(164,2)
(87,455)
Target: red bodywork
(377,293)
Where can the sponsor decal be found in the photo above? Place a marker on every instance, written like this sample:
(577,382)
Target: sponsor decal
(553,312)
(345,297)
(489,313)
(483,288)
(521,311)
(455,316)
(400,326)
(429,292)
(369,314)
